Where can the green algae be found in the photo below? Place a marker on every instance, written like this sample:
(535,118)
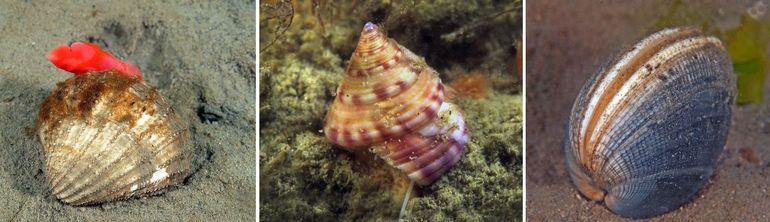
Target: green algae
(304,177)
(747,44)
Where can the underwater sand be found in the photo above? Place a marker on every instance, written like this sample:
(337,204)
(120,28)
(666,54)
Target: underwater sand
(201,57)
(563,53)
(304,177)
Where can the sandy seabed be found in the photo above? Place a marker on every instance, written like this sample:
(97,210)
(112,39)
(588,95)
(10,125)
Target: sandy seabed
(199,54)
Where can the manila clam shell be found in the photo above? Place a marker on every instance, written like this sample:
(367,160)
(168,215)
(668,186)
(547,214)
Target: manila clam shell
(645,132)
(110,137)
(391,101)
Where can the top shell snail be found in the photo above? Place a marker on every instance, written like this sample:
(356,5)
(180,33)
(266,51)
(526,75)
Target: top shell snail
(391,101)
(106,134)
(645,132)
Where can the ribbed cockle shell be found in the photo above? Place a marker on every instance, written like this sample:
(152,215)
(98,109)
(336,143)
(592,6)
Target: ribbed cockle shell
(391,101)
(108,136)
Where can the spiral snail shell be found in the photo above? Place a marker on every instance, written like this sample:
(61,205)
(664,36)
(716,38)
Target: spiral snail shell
(645,132)
(106,134)
(391,102)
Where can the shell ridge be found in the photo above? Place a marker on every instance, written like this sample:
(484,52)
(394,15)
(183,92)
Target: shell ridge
(643,119)
(90,141)
(387,87)
(632,83)
(423,115)
(401,149)
(119,177)
(627,200)
(640,135)
(431,173)
(622,70)
(59,174)
(638,79)
(431,155)
(62,172)
(144,186)
(408,116)
(413,107)
(101,195)
(86,175)
(115,178)
(351,111)
(142,183)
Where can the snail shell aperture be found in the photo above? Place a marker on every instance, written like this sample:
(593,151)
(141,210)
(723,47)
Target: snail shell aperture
(109,136)
(645,132)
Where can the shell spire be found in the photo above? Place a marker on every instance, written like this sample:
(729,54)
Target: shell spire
(374,53)
(391,101)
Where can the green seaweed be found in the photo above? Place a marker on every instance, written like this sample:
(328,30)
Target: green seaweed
(747,45)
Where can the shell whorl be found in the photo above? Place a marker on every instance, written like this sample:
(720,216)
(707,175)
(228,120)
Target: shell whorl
(429,153)
(375,100)
(390,100)
(645,132)
(110,137)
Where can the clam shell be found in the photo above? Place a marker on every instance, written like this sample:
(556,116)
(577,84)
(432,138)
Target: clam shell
(645,132)
(390,99)
(109,137)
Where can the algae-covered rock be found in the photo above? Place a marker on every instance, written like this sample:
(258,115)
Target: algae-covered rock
(302,58)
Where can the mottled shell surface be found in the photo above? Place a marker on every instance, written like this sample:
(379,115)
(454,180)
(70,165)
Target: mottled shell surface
(390,100)
(428,154)
(645,132)
(109,137)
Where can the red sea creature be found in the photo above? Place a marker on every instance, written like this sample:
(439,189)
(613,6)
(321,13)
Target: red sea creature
(81,58)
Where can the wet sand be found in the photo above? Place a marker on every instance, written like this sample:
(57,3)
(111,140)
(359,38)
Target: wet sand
(199,55)
(566,42)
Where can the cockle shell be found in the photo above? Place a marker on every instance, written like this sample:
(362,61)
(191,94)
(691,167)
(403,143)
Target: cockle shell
(391,101)
(107,136)
(645,132)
